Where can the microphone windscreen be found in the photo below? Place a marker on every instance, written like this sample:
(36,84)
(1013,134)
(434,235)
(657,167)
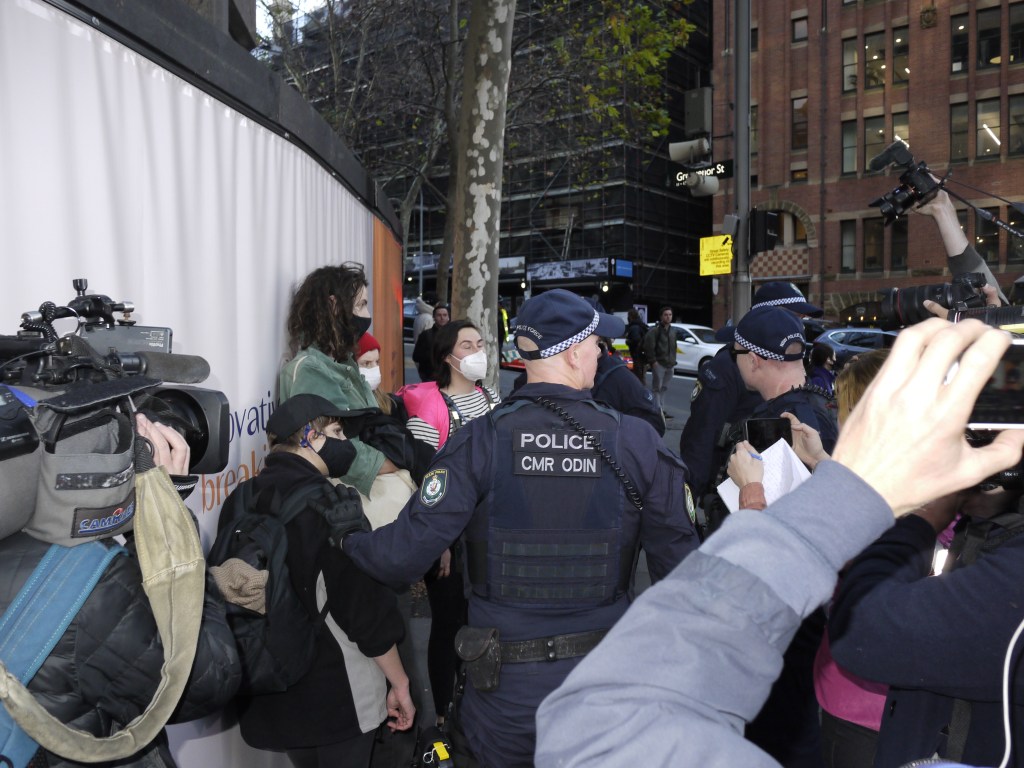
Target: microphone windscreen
(878,162)
(180,369)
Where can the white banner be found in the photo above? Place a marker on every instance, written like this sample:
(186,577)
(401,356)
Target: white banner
(116,170)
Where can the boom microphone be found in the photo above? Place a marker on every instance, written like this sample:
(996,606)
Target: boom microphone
(181,369)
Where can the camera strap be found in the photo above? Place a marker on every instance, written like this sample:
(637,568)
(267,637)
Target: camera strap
(173,577)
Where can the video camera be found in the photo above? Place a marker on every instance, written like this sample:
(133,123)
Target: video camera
(917,185)
(101,350)
(898,307)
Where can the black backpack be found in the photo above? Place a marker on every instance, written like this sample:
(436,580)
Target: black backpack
(276,647)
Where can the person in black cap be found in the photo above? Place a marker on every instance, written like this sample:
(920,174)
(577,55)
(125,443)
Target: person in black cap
(720,397)
(552,494)
(330,716)
(768,347)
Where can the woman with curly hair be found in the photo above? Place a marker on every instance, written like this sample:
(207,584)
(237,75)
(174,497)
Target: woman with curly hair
(328,314)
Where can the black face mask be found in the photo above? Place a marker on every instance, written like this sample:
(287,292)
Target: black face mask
(361,324)
(338,455)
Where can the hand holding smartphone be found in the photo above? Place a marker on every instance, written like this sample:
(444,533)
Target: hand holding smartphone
(764,433)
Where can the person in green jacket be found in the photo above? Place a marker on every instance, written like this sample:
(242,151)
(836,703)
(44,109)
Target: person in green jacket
(328,314)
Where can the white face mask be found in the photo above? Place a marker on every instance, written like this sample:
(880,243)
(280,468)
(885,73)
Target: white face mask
(474,366)
(372,376)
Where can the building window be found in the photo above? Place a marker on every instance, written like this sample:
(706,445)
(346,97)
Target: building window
(874,60)
(753,129)
(1017,33)
(898,244)
(957,132)
(874,230)
(988,129)
(874,137)
(848,241)
(753,40)
(959,45)
(800,30)
(900,126)
(1016,127)
(799,231)
(901,56)
(799,134)
(850,48)
(1015,251)
(986,237)
(988,39)
(850,146)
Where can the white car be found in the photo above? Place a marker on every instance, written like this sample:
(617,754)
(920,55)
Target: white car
(695,348)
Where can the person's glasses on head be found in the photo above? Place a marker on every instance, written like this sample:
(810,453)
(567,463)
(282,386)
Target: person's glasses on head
(735,352)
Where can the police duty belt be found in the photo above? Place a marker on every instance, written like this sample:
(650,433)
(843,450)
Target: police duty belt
(551,648)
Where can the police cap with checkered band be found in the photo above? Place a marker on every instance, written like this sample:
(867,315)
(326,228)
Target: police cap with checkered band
(557,319)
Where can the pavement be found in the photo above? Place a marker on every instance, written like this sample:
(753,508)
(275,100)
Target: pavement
(395,750)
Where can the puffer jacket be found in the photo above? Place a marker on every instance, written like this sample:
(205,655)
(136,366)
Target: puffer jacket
(105,668)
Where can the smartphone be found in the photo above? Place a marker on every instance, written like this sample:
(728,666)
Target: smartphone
(764,433)
(1001,403)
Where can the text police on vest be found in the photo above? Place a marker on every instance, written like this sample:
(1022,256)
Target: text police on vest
(555,452)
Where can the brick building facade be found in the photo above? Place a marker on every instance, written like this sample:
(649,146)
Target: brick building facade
(832,84)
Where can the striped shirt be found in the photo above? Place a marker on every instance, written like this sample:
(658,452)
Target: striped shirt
(470,406)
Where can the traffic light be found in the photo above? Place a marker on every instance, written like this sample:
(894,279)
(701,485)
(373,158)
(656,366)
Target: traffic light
(764,230)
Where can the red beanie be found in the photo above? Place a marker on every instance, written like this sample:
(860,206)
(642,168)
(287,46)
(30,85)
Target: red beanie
(367,343)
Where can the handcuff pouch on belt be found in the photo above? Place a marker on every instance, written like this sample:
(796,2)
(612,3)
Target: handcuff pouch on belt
(479,648)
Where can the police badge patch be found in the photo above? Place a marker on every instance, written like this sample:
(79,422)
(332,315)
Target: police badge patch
(691,508)
(435,483)
(695,392)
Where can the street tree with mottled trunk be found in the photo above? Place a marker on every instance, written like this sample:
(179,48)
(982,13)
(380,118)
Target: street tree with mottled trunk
(480,151)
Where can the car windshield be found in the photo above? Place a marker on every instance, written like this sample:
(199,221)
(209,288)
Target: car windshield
(706,335)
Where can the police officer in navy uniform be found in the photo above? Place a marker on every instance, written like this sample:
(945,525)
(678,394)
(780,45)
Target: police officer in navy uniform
(720,397)
(553,495)
(767,346)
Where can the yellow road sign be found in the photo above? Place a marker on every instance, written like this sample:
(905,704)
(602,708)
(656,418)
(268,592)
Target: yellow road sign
(716,255)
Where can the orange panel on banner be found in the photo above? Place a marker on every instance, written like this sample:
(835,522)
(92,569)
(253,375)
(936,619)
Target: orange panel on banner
(386,283)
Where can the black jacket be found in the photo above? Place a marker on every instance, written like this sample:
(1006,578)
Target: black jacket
(423,354)
(105,668)
(934,639)
(326,705)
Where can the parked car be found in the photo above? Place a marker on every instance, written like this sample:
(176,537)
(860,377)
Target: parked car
(408,318)
(694,349)
(848,342)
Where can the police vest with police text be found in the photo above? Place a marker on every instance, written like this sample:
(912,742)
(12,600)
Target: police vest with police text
(552,535)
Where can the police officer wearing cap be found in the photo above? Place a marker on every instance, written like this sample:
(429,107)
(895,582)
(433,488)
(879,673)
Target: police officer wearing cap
(553,495)
(720,397)
(767,346)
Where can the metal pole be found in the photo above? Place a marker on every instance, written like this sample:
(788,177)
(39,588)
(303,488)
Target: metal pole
(741,183)
(421,240)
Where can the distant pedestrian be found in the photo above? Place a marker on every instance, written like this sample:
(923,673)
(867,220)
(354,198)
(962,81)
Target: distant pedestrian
(660,350)
(636,330)
(423,351)
(424,318)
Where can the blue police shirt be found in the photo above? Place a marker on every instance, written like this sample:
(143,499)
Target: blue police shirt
(719,398)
